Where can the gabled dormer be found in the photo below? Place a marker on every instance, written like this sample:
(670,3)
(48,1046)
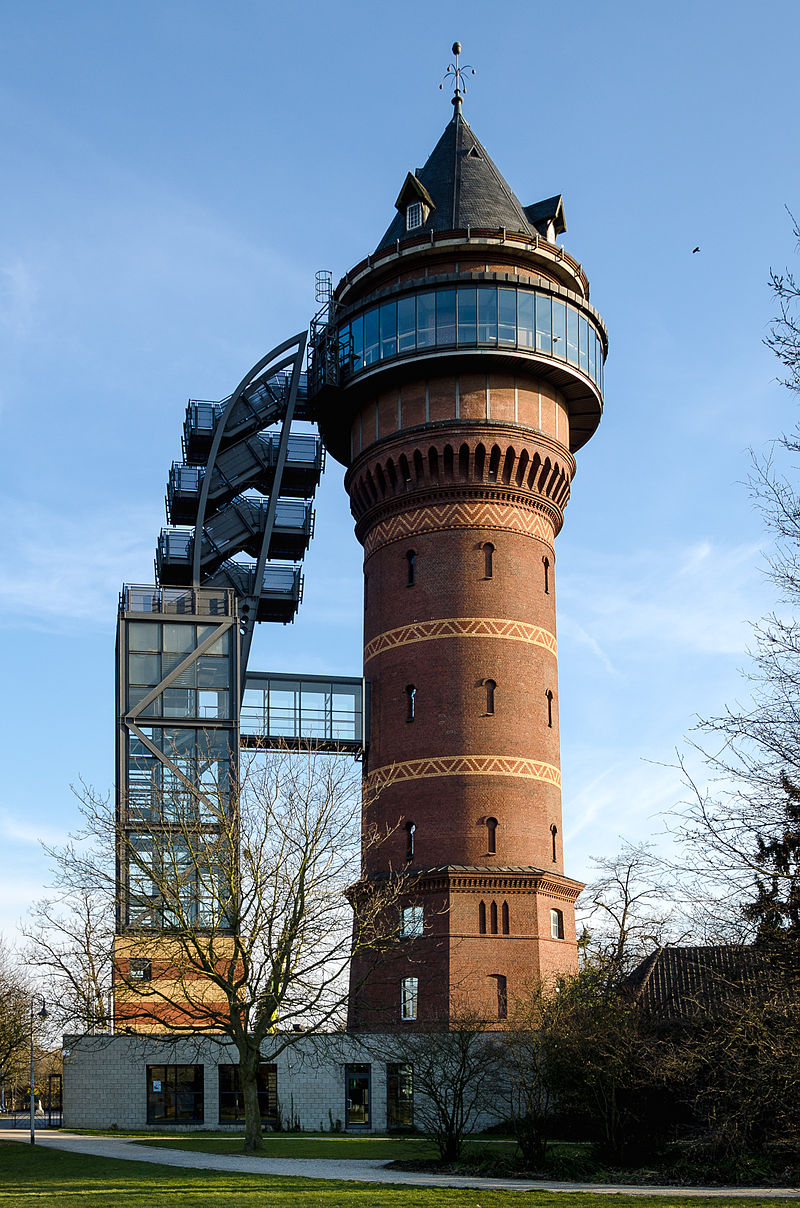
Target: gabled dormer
(548,217)
(414,203)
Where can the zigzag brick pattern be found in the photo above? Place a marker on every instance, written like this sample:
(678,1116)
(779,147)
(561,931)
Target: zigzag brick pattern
(464,765)
(460,515)
(459,627)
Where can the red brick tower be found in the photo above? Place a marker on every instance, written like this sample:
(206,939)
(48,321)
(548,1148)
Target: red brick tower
(460,369)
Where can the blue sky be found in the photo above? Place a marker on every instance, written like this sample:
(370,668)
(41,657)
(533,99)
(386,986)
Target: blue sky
(174,172)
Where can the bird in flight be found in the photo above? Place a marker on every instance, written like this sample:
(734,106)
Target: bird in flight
(695,249)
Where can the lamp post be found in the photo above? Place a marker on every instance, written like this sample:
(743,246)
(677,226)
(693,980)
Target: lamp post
(43,1014)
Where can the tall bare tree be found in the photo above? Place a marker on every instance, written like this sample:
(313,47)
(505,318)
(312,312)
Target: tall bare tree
(726,831)
(627,910)
(14,1014)
(235,921)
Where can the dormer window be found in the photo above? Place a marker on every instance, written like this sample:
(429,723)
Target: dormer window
(414,216)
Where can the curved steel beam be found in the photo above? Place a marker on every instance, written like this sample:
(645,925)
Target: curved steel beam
(249,377)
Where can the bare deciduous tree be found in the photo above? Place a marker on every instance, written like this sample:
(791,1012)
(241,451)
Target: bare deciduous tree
(234,917)
(627,911)
(457,1078)
(726,830)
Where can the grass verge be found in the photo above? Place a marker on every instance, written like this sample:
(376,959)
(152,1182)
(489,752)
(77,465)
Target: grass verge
(47,1177)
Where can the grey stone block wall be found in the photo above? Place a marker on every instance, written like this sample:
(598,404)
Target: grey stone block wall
(105,1079)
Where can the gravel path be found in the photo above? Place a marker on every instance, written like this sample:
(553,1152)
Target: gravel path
(364,1171)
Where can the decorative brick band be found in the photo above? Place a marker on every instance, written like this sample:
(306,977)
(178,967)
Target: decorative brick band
(459,627)
(459,515)
(464,765)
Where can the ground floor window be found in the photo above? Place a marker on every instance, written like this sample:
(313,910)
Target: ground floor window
(399,1096)
(231,1098)
(174,1093)
(358,1078)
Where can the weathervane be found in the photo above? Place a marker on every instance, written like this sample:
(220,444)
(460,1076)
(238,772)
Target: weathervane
(456,73)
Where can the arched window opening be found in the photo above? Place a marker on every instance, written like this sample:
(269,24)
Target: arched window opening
(405,469)
(488,559)
(480,462)
(463,461)
(433,464)
(508,464)
(493,918)
(554,834)
(504,918)
(557,924)
(392,472)
(411,698)
(482,918)
(549,696)
(409,988)
(494,463)
(491,836)
(381,480)
(448,461)
(546,565)
(502,995)
(522,466)
(490,686)
(419,471)
(411,831)
(411,559)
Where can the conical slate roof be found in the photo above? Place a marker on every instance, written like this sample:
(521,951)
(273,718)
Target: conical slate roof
(465,186)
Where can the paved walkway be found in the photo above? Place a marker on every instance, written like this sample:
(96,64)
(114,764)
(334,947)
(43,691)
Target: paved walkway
(354,1171)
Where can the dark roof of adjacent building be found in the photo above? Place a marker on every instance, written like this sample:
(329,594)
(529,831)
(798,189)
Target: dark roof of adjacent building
(462,187)
(677,982)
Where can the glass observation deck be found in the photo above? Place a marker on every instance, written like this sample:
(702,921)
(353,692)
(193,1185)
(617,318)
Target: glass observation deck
(247,466)
(473,316)
(312,712)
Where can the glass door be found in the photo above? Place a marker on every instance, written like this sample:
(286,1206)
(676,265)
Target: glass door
(357,1078)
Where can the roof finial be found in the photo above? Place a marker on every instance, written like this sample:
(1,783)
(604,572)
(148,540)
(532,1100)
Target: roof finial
(456,72)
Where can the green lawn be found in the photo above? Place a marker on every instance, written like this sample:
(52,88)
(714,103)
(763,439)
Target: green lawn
(31,1176)
(294,1145)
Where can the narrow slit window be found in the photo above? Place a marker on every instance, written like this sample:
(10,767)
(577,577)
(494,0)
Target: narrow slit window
(411,831)
(493,918)
(491,687)
(488,560)
(546,565)
(408,998)
(554,834)
(491,836)
(504,918)
(411,559)
(411,702)
(482,918)
(549,696)
(502,995)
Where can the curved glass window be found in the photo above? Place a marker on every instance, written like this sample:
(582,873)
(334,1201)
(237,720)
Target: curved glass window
(482,315)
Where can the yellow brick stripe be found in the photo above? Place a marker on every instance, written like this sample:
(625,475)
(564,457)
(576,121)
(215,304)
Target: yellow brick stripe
(459,627)
(464,765)
(460,515)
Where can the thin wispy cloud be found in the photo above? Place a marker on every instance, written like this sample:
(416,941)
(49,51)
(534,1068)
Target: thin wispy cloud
(698,598)
(59,569)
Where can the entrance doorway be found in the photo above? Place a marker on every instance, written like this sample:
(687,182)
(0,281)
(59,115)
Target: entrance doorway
(357,1079)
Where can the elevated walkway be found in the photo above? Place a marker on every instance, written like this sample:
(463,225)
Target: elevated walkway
(300,713)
